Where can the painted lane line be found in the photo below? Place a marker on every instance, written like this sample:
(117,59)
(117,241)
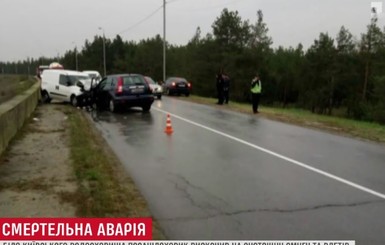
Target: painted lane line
(288,159)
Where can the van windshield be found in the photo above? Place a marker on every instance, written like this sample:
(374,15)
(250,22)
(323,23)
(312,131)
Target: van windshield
(74,78)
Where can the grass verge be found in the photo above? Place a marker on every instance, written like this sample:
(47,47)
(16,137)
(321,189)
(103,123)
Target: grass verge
(104,190)
(12,85)
(348,127)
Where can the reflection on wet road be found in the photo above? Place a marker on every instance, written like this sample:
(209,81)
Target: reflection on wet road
(201,184)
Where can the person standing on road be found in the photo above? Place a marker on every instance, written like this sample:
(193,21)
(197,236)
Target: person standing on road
(256,89)
(219,80)
(226,88)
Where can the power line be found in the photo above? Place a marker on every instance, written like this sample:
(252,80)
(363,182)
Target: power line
(216,6)
(143,20)
(146,18)
(171,1)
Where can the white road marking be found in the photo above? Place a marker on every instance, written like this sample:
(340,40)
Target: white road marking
(316,170)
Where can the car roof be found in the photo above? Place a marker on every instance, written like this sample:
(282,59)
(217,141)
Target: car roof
(148,77)
(176,78)
(89,71)
(66,72)
(124,75)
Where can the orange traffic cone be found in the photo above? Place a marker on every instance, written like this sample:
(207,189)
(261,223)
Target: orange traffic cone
(168,129)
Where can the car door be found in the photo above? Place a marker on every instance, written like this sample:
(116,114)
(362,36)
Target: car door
(60,89)
(64,87)
(101,92)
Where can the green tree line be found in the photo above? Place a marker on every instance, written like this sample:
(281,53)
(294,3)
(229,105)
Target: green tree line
(340,75)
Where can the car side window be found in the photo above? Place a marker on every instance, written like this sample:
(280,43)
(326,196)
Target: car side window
(63,80)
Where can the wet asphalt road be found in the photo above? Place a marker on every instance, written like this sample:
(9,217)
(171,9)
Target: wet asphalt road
(227,175)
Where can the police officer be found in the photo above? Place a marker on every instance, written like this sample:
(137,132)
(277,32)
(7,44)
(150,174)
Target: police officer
(256,89)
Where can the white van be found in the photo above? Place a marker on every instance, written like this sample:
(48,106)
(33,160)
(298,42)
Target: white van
(94,75)
(62,85)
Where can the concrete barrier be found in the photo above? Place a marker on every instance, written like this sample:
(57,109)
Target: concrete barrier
(14,112)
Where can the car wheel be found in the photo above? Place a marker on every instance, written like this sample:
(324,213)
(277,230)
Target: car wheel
(159,97)
(146,108)
(94,106)
(112,106)
(45,97)
(187,94)
(74,101)
(168,92)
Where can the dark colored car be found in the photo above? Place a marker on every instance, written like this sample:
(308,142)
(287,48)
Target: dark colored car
(123,91)
(177,85)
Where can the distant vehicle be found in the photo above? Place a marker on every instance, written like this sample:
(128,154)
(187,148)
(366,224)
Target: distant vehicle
(123,91)
(177,85)
(40,70)
(56,65)
(62,85)
(94,75)
(157,90)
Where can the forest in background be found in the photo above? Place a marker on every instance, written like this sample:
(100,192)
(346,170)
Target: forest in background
(337,75)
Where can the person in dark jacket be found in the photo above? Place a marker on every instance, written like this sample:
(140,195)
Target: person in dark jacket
(220,82)
(226,88)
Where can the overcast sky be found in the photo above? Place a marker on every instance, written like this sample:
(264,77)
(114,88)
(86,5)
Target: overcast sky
(34,28)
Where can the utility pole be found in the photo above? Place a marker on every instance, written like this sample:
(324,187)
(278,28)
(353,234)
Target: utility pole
(28,61)
(76,58)
(164,40)
(104,51)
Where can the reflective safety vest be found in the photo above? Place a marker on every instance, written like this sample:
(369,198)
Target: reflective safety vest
(257,89)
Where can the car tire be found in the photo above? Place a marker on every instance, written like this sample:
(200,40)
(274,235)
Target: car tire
(74,101)
(94,106)
(168,92)
(45,97)
(187,94)
(146,108)
(159,97)
(112,106)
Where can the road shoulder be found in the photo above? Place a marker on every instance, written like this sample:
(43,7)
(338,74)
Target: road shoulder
(36,170)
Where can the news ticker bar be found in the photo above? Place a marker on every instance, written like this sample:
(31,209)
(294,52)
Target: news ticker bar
(191,242)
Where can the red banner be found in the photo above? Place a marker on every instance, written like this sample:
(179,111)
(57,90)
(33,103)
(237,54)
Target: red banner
(75,229)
